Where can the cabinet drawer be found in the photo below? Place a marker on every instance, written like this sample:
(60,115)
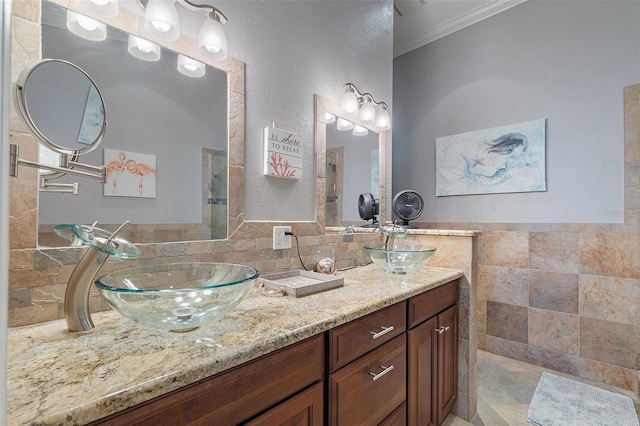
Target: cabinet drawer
(233,396)
(358,337)
(370,388)
(304,409)
(397,418)
(430,303)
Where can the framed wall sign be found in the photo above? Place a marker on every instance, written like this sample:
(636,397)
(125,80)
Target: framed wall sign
(282,154)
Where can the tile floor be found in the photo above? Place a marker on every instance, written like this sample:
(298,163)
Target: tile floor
(505,389)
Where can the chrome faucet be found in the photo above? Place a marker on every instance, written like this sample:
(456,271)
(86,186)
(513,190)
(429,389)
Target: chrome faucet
(101,245)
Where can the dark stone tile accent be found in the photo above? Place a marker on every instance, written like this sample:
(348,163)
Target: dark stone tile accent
(508,321)
(554,291)
(610,342)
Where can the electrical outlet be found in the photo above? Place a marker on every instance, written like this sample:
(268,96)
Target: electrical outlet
(280,240)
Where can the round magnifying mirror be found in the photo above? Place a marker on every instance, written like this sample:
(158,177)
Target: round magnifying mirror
(62,106)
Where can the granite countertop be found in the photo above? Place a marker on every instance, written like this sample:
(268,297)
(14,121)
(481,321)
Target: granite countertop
(61,378)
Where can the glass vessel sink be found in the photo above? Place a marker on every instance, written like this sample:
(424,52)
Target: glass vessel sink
(177,297)
(400,259)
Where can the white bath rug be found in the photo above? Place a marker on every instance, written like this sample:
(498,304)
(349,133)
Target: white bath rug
(563,402)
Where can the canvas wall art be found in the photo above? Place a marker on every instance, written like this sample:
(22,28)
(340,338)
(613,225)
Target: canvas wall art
(93,118)
(501,159)
(130,174)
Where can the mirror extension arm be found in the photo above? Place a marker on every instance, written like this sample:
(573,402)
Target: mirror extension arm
(96,172)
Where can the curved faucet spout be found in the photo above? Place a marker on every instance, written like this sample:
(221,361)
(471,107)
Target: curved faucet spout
(101,245)
(76,298)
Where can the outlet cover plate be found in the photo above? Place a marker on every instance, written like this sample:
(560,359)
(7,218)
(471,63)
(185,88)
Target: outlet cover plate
(280,240)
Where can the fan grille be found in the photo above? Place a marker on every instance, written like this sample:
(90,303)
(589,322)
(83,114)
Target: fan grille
(407,205)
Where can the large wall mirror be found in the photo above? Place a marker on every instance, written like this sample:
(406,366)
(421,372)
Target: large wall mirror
(153,112)
(354,164)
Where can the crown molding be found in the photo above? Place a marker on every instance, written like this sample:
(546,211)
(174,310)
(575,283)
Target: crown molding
(448,27)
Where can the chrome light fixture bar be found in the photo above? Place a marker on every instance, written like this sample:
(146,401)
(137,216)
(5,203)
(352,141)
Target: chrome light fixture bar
(365,106)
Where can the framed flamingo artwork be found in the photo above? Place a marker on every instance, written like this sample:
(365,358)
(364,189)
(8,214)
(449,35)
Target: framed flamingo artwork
(129,174)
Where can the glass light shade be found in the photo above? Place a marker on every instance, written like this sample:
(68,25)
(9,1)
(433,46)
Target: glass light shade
(329,118)
(343,124)
(190,67)
(359,130)
(367,112)
(101,7)
(349,103)
(143,49)
(383,121)
(86,27)
(212,43)
(161,20)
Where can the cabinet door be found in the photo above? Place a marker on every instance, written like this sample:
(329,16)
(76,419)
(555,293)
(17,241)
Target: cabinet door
(304,409)
(422,371)
(447,361)
(370,388)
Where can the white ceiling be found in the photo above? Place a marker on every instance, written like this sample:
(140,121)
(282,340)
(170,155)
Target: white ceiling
(421,23)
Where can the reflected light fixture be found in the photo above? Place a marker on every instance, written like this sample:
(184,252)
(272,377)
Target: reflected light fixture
(359,130)
(343,124)
(190,67)
(353,99)
(143,49)
(108,8)
(162,22)
(329,118)
(85,27)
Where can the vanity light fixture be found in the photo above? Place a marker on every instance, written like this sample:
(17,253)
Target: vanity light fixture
(85,27)
(143,49)
(353,99)
(190,67)
(161,21)
(102,7)
(343,124)
(359,130)
(367,111)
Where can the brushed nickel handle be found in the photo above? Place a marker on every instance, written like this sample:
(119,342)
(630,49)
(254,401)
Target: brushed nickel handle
(384,371)
(384,331)
(442,329)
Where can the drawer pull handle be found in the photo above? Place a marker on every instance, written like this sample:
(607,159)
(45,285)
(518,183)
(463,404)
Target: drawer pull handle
(384,331)
(384,371)
(442,329)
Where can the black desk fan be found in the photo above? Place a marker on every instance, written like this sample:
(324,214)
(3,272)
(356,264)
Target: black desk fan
(368,208)
(407,205)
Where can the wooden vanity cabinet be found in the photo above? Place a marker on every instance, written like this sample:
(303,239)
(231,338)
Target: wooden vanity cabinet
(236,395)
(396,366)
(432,355)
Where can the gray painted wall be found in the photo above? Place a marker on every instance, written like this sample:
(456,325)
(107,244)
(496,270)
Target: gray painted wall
(566,61)
(293,50)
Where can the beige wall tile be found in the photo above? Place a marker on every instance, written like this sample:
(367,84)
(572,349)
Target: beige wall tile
(33,314)
(613,255)
(554,330)
(504,285)
(557,251)
(505,249)
(610,298)
(553,291)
